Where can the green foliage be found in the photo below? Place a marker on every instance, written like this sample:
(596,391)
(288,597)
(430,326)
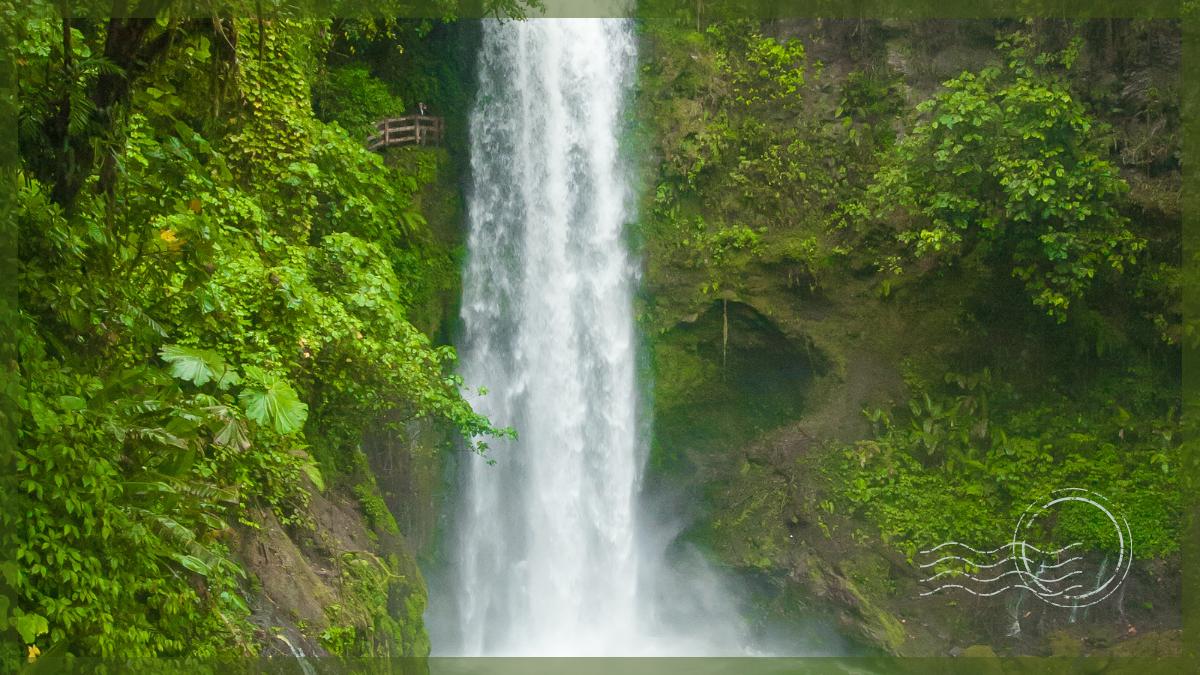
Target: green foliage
(339,640)
(378,514)
(198,366)
(719,253)
(963,461)
(1008,163)
(999,201)
(368,621)
(760,69)
(747,174)
(870,100)
(352,97)
(237,299)
(275,403)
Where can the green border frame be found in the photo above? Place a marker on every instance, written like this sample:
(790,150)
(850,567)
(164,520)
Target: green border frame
(1188,11)
(9,382)
(830,9)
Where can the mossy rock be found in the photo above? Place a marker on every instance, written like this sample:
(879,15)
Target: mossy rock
(861,613)
(748,527)
(722,379)
(877,624)
(1150,643)
(1063,643)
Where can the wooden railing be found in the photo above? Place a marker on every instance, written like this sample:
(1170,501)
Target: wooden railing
(407,130)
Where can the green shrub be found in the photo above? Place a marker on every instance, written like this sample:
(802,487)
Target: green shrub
(352,97)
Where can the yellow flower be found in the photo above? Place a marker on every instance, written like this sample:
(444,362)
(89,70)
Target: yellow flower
(34,652)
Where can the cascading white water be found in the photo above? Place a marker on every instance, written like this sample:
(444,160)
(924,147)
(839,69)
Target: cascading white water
(546,557)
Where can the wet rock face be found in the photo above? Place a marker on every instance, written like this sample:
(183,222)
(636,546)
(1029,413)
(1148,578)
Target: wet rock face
(723,377)
(409,469)
(334,584)
(292,593)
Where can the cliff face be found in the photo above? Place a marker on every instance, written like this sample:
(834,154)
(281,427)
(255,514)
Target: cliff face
(765,354)
(337,583)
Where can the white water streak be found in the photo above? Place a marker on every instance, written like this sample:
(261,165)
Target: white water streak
(546,556)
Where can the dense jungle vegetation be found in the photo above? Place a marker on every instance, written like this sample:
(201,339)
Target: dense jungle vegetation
(221,289)
(970,233)
(1003,180)
(218,290)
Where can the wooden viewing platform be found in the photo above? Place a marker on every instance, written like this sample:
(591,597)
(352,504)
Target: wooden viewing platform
(407,130)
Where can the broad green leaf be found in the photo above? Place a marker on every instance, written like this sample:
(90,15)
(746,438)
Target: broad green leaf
(278,405)
(314,474)
(228,378)
(309,466)
(197,366)
(235,600)
(233,435)
(142,487)
(30,626)
(202,52)
(71,403)
(193,563)
(8,571)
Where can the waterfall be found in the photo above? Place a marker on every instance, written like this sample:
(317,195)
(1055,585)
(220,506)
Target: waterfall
(546,556)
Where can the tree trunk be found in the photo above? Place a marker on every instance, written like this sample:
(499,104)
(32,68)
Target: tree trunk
(126,47)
